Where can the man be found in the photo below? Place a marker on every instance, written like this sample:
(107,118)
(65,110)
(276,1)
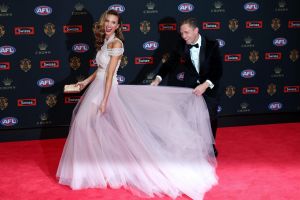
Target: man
(195,64)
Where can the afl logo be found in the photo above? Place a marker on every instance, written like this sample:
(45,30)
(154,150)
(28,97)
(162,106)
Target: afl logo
(45,82)
(121,79)
(251,6)
(7,50)
(219,109)
(248,73)
(117,7)
(221,43)
(150,45)
(43,10)
(186,7)
(9,121)
(275,106)
(279,42)
(180,76)
(80,48)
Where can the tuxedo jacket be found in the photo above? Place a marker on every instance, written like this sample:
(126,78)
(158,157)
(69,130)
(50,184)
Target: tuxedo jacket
(182,73)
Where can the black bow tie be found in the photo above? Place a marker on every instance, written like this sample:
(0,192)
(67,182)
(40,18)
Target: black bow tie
(193,45)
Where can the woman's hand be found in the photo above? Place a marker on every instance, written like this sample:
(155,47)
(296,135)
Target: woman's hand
(82,84)
(102,107)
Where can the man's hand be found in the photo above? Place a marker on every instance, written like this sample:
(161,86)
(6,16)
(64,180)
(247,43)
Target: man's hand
(155,82)
(200,89)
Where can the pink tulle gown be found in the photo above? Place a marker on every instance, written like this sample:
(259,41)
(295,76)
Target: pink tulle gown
(154,141)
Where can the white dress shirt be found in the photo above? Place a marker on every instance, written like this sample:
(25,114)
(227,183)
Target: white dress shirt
(195,54)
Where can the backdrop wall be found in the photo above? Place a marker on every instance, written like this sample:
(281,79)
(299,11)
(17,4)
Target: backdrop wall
(47,44)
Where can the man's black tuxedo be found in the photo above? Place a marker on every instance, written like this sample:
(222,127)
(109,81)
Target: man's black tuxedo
(181,72)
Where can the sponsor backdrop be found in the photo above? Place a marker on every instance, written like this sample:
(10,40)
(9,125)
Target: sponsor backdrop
(47,44)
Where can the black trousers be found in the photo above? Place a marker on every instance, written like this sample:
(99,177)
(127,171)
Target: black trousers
(212,105)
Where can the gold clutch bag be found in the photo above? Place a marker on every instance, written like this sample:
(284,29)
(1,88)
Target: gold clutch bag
(72,88)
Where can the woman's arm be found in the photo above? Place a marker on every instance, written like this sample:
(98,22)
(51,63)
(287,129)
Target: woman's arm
(84,83)
(110,74)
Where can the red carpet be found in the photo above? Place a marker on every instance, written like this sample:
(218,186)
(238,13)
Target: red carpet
(255,162)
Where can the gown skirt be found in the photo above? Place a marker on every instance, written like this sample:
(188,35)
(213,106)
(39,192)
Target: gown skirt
(153,141)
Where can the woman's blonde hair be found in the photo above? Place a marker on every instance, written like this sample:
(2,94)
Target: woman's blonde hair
(99,28)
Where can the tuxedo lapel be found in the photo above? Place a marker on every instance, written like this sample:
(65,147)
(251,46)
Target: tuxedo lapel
(189,64)
(202,55)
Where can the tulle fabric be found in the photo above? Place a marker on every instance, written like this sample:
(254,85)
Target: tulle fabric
(153,141)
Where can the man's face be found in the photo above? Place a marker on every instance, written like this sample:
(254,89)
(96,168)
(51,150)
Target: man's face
(189,34)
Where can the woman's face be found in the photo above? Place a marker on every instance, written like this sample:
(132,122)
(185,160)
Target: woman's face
(111,24)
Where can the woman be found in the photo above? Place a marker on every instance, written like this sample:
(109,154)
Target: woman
(152,141)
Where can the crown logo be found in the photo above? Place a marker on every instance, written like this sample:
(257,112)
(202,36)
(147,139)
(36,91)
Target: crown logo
(80,78)
(150,5)
(150,76)
(44,116)
(277,70)
(7,81)
(218,4)
(79,6)
(281,4)
(244,105)
(43,46)
(3,8)
(248,40)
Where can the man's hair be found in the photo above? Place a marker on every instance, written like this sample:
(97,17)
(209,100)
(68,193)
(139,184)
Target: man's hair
(190,21)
